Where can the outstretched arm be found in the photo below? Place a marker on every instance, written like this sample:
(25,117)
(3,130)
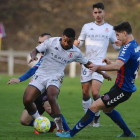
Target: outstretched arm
(111,67)
(13,80)
(105,75)
(24,77)
(33,55)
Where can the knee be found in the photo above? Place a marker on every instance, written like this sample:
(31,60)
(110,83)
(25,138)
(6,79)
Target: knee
(86,94)
(52,98)
(94,108)
(26,100)
(23,122)
(95,94)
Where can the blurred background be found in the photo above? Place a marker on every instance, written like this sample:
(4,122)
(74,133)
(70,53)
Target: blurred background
(25,20)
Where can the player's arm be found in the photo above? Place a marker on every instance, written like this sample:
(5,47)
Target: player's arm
(13,80)
(24,77)
(28,74)
(105,75)
(40,48)
(78,43)
(115,43)
(33,55)
(111,67)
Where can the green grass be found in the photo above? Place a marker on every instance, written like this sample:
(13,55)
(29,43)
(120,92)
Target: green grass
(70,98)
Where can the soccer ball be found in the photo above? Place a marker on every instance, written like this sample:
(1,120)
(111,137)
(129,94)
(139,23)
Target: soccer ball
(42,124)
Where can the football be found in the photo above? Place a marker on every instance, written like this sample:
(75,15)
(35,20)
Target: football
(42,124)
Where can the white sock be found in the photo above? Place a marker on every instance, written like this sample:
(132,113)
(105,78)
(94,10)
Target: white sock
(58,122)
(86,104)
(36,115)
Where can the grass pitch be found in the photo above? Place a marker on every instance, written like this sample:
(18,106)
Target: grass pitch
(70,98)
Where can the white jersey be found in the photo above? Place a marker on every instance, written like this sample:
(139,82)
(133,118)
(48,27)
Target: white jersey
(96,39)
(56,58)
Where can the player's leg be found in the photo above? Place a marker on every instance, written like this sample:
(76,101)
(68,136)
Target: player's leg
(30,94)
(86,102)
(47,107)
(111,99)
(117,118)
(97,80)
(48,110)
(86,119)
(26,119)
(86,76)
(52,93)
(96,86)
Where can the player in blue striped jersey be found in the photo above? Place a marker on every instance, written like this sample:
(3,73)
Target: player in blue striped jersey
(127,66)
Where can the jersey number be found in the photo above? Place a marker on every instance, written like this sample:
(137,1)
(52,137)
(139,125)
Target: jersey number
(84,71)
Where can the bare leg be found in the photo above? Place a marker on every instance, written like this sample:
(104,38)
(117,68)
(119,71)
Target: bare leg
(52,93)
(25,118)
(86,95)
(31,93)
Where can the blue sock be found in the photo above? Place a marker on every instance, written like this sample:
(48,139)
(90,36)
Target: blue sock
(116,117)
(32,123)
(88,118)
(65,125)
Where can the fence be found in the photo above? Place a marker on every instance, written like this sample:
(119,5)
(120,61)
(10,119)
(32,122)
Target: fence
(8,56)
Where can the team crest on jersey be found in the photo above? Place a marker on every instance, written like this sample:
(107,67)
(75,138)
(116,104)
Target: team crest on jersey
(44,98)
(106,30)
(106,97)
(31,81)
(70,55)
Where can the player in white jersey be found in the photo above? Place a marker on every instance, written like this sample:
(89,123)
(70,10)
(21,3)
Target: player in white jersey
(59,52)
(96,36)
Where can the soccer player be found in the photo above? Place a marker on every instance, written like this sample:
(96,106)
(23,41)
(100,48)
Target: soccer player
(41,102)
(96,36)
(59,52)
(127,66)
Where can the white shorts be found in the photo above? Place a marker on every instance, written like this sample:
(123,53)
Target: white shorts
(87,75)
(42,83)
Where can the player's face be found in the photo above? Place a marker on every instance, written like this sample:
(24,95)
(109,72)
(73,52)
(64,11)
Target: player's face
(66,42)
(121,36)
(98,14)
(42,39)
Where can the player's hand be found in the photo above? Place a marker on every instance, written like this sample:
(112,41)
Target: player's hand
(76,42)
(118,43)
(14,80)
(33,59)
(93,67)
(106,76)
(107,61)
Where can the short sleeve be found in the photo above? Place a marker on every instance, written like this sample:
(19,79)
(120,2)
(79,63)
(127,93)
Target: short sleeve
(43,46)
(81,59)
(82,34)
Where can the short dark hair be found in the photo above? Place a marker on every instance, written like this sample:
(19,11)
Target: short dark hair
(69,32)
(98,5)
(124,26)
(45,34)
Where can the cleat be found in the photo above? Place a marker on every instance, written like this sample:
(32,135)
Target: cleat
(96,121)
(132,135)
(52,129)
(58,131)
(36,132)
(64,134)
